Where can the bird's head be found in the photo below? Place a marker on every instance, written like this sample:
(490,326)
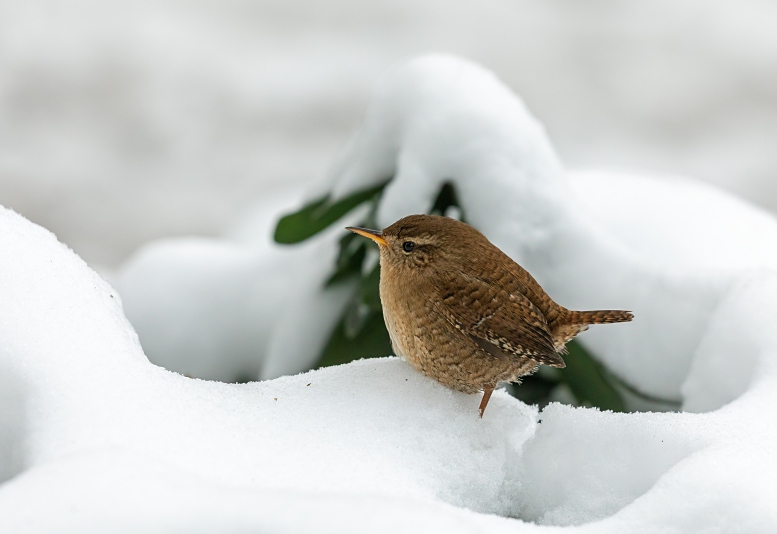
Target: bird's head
(419,241)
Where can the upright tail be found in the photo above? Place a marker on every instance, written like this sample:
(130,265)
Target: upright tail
(570,323)
(582,318)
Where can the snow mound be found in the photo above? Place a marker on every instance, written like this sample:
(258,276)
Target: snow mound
(231,309)
(89,399)
(373,445)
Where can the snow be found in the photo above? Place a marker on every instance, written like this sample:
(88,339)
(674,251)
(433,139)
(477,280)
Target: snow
(230,309)
(168,118)
(86,390)
(198,316)
(99,436)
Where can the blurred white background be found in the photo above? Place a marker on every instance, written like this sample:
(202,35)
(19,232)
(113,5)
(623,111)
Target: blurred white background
(125,121)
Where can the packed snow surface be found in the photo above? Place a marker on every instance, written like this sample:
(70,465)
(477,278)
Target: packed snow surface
(93,435)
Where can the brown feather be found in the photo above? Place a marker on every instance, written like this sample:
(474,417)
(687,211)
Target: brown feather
(509,322)
(568,324)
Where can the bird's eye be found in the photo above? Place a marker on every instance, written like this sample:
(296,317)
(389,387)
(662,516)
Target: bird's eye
(408,246)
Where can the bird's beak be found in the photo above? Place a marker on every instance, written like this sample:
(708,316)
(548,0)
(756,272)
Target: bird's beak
(375,235)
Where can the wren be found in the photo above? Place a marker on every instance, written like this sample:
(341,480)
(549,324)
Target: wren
(462,312)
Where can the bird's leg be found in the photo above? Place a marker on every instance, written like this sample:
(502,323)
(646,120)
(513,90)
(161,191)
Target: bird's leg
(487,391)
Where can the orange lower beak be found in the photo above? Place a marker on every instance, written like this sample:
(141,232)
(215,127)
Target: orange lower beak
(375,235)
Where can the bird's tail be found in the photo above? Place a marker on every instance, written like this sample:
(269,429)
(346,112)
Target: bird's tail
(570,323)
(596,317)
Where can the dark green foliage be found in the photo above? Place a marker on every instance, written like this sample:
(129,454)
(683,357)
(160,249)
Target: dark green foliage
(369,341)
(353,249)
(316,216)
(370,291)
(534,389)
(589,381)
(446,198)
(361,332)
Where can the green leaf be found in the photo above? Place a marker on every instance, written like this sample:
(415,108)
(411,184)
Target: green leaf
(589,380)
(353,249)
(319,214)
(533,389)
(370,289)
(371,341)
(446,198)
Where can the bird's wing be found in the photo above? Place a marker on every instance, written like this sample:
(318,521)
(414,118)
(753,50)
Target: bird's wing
(506,325)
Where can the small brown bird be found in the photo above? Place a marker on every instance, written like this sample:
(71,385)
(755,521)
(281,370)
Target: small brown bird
(460,311)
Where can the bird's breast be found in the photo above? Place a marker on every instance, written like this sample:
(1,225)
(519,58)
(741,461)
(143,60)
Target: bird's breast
(399,315)
(396,329)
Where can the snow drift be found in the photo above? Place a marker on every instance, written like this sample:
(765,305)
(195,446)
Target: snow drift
(94,435)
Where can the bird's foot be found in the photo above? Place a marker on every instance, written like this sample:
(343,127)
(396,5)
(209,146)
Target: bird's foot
(486,396)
